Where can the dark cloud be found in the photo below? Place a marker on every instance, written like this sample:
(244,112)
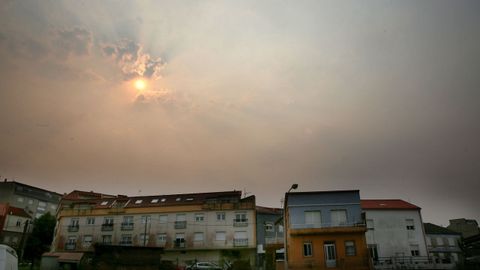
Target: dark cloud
(76,41)
(132,60)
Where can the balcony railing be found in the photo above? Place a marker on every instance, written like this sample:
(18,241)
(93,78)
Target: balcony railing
(70,246)
(125,243)
(73,228)
(107,227)
(180,224)
(327,225)
(240,242)
(240,222)
(127,226)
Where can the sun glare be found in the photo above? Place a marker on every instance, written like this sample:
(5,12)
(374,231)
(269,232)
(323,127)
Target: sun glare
(140,84)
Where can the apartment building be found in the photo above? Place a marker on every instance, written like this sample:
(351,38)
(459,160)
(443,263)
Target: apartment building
(35,201)
(395,233)
(270,236)
(215,226)
(443,246)
(325,230)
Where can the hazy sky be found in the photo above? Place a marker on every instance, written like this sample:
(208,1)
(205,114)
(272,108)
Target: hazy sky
(381,96)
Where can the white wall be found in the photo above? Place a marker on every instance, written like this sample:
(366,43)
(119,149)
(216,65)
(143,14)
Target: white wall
(391,235)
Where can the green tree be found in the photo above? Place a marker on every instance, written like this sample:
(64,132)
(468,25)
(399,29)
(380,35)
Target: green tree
(41,237)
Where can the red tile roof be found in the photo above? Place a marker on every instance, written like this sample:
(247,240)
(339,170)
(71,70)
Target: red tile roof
(390,204)
(158,200)
(19,212)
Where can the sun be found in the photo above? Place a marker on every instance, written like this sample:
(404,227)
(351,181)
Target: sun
(140,84)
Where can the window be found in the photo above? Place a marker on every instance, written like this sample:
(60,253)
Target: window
(198,236)
(163,219)
(241,217)
(87,241)
(370,224)
(90,221)
(154,201)
(162,237)
(199,217)
(338,217)
(221,216)
(451,242)
(127,220)
(181,217)
(269,227)
(163,200)
(180,240)
(440,241)
(372,249)
(30,201)
(313,218)
(240,239)
(410,224)
(126,239)
(280,228)
(108,220)
(220,236)
(178,199)
(189,199)
(350,248)
(20,199)
(414,250)
(138,201)
(104,203)
(307,249)
(106,239)
(19,223)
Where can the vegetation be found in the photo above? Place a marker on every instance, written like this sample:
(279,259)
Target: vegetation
(40,239)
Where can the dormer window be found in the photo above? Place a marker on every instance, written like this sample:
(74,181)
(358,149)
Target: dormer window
(104,203)
(138,201)
(154,201)
(163,200)
(189,199)
(178,199)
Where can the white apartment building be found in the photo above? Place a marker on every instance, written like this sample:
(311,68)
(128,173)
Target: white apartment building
(395,233)
(217,226)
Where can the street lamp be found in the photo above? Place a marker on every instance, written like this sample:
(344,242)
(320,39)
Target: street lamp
(294,186)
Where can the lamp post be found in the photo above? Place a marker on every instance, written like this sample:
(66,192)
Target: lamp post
(285,258)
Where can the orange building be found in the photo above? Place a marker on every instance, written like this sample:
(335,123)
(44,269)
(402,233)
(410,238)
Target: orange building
(325,230)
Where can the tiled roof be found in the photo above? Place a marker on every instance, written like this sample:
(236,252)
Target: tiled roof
(79,194)
(19,212)
(390,204)
(435,229)
(160,200)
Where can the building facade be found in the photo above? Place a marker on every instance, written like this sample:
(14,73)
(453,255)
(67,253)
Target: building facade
(443,246)
(270,237)
(35,201)
(14,224)
(395,234)
(467,227)
(216,227)
(325,230)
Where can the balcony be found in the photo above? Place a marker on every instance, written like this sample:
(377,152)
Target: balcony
(127,226)
(73,228)
(240,222)
(240,242)
(327,228)
(274,240)
(70,246)
(107,227)
(180,224)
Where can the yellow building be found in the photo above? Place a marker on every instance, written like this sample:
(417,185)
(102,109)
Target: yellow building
(325,230)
